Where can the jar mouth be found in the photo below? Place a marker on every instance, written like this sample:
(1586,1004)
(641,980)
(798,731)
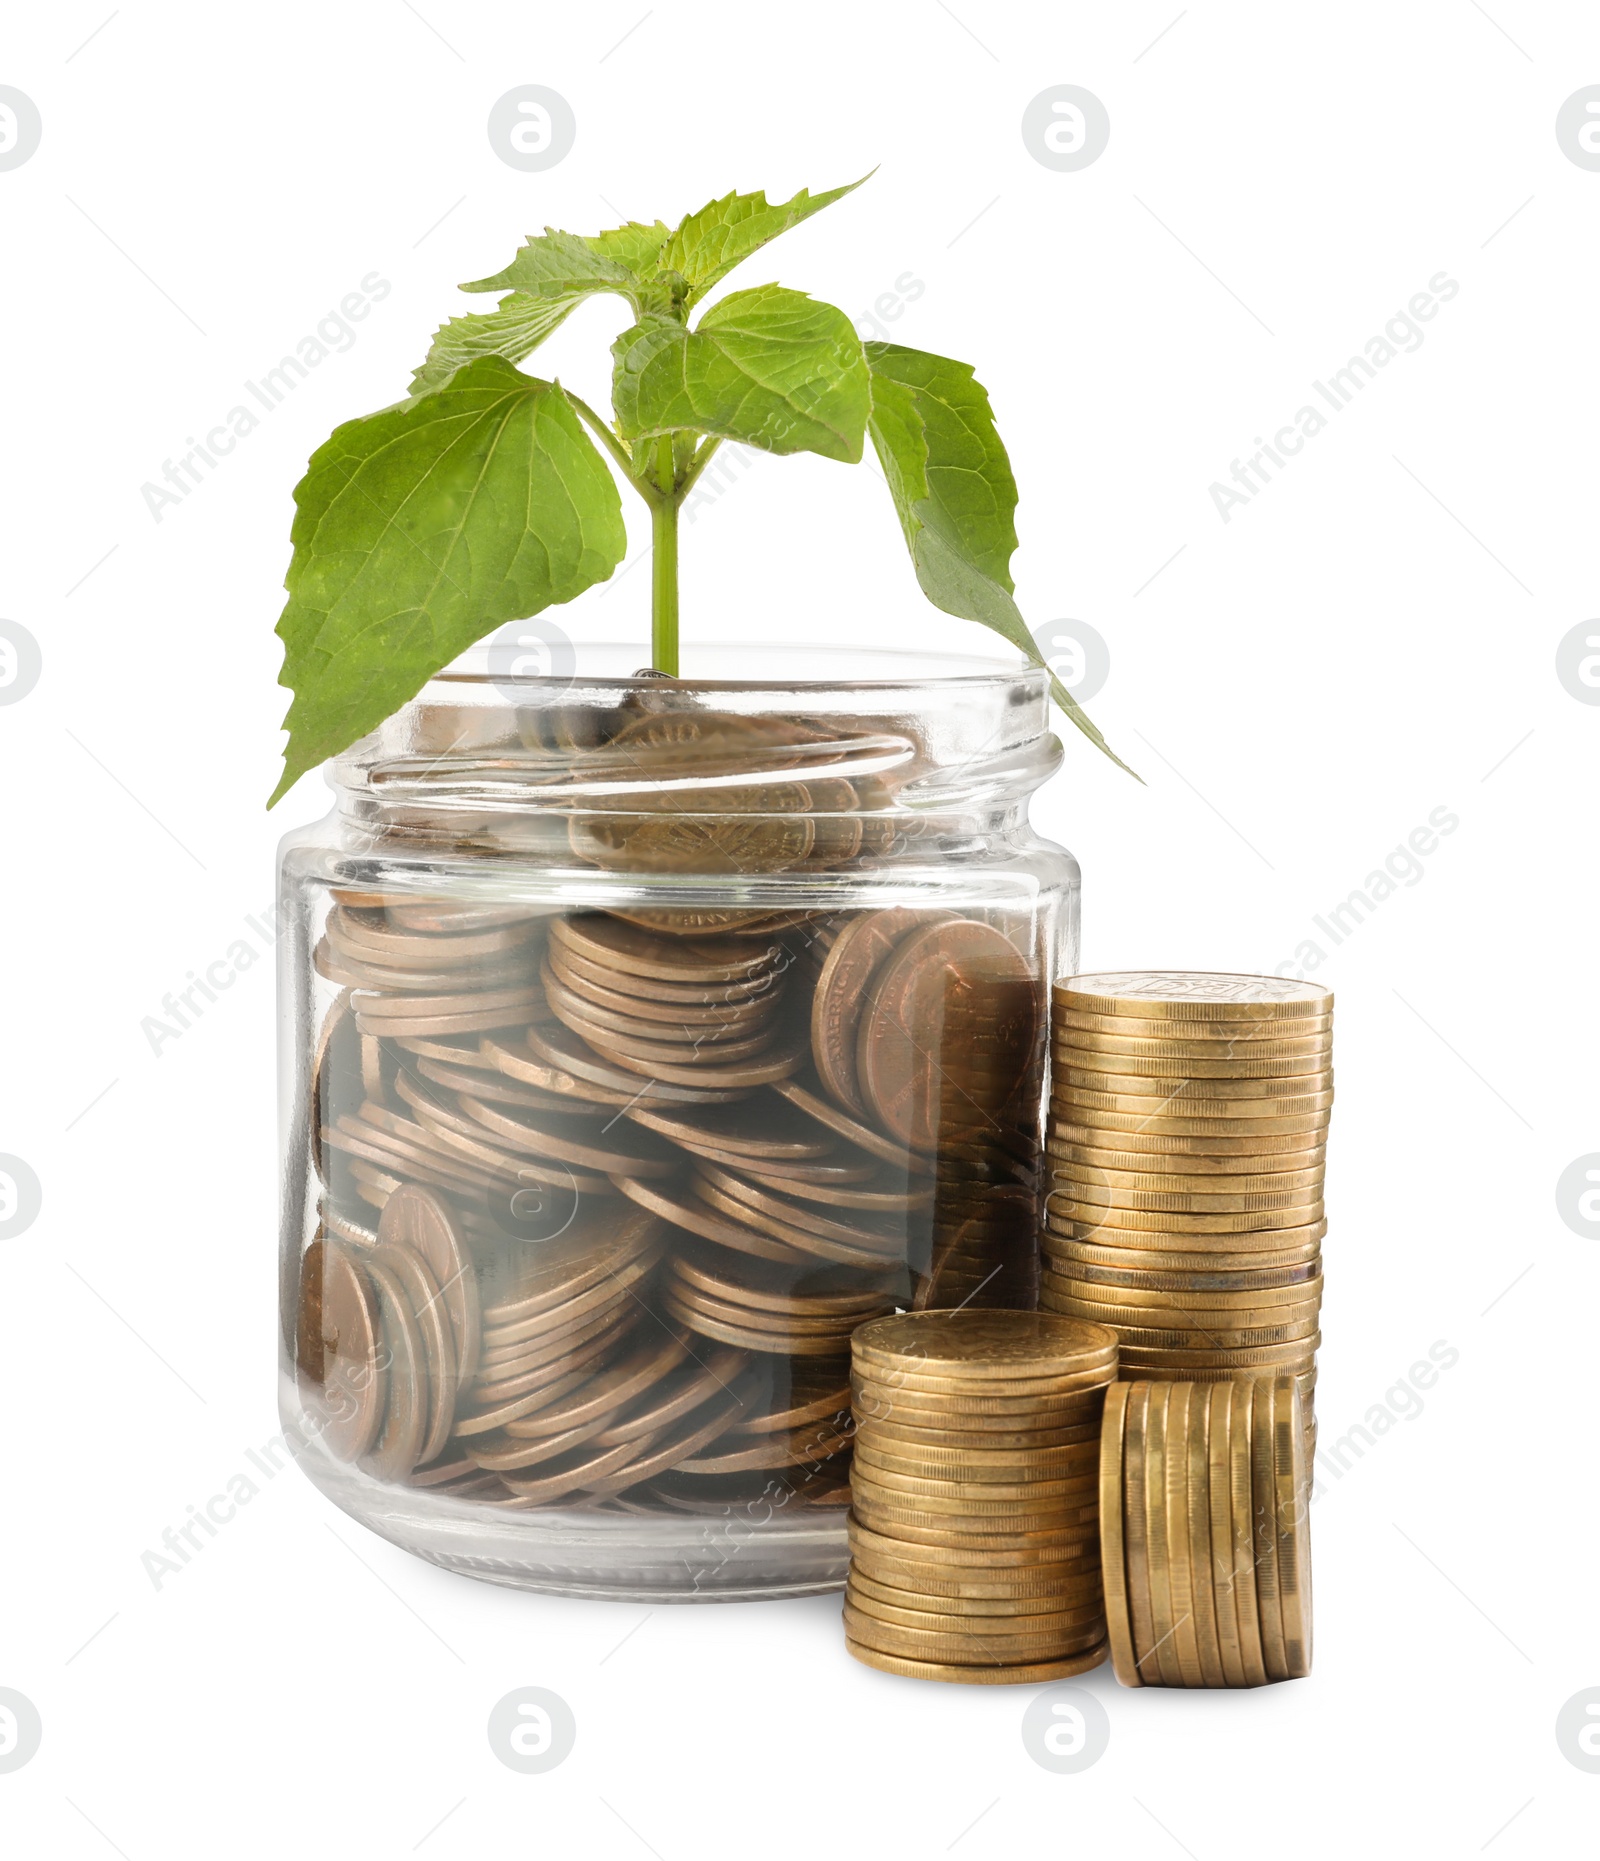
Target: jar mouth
(536,656)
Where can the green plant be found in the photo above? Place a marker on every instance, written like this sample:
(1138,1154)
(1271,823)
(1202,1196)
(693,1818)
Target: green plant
(480,498)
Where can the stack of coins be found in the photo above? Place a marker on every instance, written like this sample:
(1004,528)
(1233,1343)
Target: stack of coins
(1188,1130)
(1204,1535)
(680,1153)
(974,1511)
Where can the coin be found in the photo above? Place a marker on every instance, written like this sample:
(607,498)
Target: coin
(1097,1194)
(354,1374)
(636,952)
(436,1336)
(1023,1674)
(799,1093)
(1119,1631)
(1241,1508)
(1195,1478)
(1158,1169)
(857,953)
(997,1609)
(1197,1100)
(1219,1579)
(419,1220)
(974,1561)
(981,1347)
(984,1647)
(405,1417)
(1106,1037)
(1175,1511)
(1192,995)
(1292,1540)
(1139,1137)
(1163,1653)
(948,1032)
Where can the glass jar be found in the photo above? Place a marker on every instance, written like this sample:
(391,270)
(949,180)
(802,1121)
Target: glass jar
(641,1037)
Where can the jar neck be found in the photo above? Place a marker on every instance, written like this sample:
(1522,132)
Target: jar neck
(941,762)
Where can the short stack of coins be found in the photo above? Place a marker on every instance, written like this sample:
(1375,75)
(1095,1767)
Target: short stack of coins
(1187,1138)
(668,1159)
(1204,1537)
(975,1496)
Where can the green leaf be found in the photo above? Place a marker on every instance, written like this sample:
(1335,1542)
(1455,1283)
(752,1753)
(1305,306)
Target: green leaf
(423,527)
(557,264)
(514,329)
(772,368)
(707,245)
(934,433)
(635,245)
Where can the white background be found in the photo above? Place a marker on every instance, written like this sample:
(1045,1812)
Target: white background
(1369,639)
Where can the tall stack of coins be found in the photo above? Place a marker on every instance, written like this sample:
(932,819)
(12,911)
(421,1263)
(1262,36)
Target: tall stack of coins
(1204,1537)
(668,1157)
(1187,1134)
(974,1515)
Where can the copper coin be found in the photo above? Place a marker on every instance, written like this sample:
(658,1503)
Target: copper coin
(817,1391)
(309,1342)
(437,1338)
(378,1007)
(764,1128)
(547,1386)
(688,1212)
(497,1091)
(803,1240)
(884,1238)
(657,1020)
(777,1060)
(560,1048)
(336,1084)
(469,1137)
(613,1390)
(781,1174)
(949,1033)
(503,1342)
(418,1219)
(405,1418)
(811,1292)
(453,918)
(719,1047)
(579,971)
(398,943)
(543,1135)
(801,1095)
(679,1393)
(676,1446)
(538,1278)
(748,1337)
(737,1453)
(636,952)
(800,1323)
(516,1060)
(841,989)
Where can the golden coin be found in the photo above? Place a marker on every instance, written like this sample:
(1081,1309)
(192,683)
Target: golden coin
(1267,1359)
(1108,1249)
(1147,1041)
(1030,1673)
(1185,1633)
(841,988)
(1163,1655)
(1095,1194)
(1221,1148)
(997,1609)
(1043,1401)
(1176,1233)
(981,1346)
(976,1464)
(1223,1132)
(1033,1500)
(948,1032)
(982,1560)
(897,1436)
(908,1523)
(975,1589)
(1170,1222)
(969,1639)
(1192,995)
(1235,1180)
(1134,1038)
(1282,1302)
(1196,1480)
(1070,1260)
(1177,1327)
(1264,1530)
(997,1633)
(1157,1169)
(1136,1533)
(1153,1074)
(1292,1526)
(1242,1514)
(1199,1100)
(1119,1628)
(1219,1578)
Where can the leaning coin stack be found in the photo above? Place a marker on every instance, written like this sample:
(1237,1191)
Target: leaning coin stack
(671,1158)
(1203,1530)
(1187,1136)
(974,1512)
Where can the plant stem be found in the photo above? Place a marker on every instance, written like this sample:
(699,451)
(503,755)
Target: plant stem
(664,566)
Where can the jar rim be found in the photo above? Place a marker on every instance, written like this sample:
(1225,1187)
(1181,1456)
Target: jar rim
(790,667)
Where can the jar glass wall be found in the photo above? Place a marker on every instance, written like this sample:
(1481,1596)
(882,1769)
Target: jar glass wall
(641,1037)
